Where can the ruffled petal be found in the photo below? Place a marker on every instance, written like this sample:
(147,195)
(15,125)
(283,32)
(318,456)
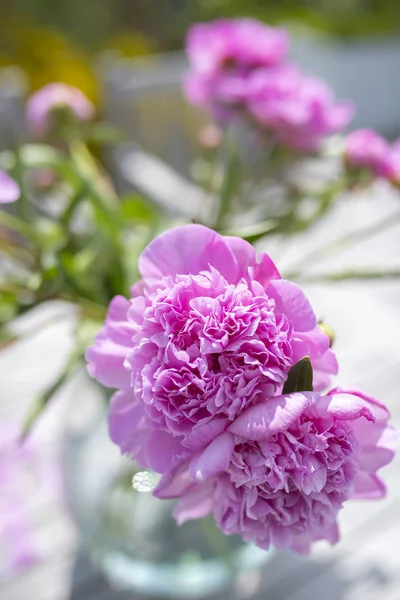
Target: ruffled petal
(271,416)
(127,422)
(202,435)
(368,487)
(381,412)
(174,483)
(346,407)
(291,301)
(258,266)
(378,444)
(164,451)
(197,503)
(189,249)
(324,368)
(111,346)
(215,458)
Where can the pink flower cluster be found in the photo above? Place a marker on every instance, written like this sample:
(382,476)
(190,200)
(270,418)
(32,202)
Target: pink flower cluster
(199,356)
(367,149)
(238,69)
(42,104)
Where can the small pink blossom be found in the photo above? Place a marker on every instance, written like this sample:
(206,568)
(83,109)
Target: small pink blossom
(282,471)
(9,189)
(42,104)
(366,148)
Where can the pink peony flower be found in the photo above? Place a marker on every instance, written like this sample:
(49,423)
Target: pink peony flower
(42,104)
(366,148)
(237,71)
(244,44)
(283,469)
(210,330)
(299,111)
(9,189)
(223,54)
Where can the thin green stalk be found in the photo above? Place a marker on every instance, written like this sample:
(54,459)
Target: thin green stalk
(230,185)
(18,226)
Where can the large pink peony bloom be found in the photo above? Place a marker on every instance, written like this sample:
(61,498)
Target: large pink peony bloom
(211,330)
(42,104)
(283,469)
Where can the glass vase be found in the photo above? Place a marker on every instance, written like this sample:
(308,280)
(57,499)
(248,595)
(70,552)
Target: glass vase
(132,537)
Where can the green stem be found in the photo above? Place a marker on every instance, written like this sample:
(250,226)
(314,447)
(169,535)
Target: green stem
(18,226)
(230,184)
(18,253)
(24,206)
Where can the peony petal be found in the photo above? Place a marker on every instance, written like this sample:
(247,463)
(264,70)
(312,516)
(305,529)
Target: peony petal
(215,458)
(368,487)
(259,266)
(164,451)
(174,483)
(271,416)
(127,422)
(344,407)
(111,346)
(323,368)
(195,504)
(291,301)
(189,249)
(381,413)
(317,341)
(378,444)
(202,435)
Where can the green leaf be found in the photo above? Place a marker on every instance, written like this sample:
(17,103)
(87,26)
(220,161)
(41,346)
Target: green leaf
(300,377)
(137,208)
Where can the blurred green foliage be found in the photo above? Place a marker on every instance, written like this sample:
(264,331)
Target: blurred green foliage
(344,18)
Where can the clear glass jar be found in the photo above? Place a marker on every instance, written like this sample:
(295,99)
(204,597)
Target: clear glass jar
(132,537)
